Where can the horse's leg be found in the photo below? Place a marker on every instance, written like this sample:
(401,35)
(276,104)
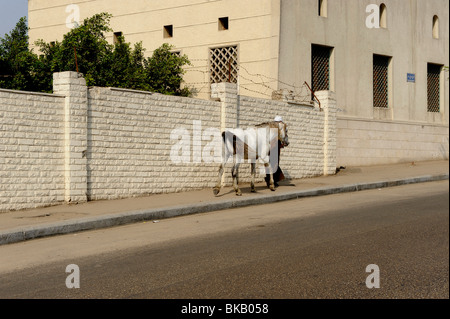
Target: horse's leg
(235,174)
(253,173)
(272,184)
(218,186)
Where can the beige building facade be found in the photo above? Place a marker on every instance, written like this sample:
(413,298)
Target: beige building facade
(193,27)
(384,59)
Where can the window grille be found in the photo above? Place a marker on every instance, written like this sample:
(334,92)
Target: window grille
(320,68)
(380,81)
(224,64)
(434,85)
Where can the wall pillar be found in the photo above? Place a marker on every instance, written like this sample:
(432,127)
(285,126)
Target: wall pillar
(73,86)
(329,107)
(227,94)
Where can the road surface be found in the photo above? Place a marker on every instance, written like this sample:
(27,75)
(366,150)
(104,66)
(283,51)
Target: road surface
(301,249)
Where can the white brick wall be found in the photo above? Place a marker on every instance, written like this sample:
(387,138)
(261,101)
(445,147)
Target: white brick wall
(304,157)
(31,150)
(129,143)
(104,143)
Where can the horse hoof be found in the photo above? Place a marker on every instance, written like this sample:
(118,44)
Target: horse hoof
(216,191)
(272,189)
(238,193)
(253,190)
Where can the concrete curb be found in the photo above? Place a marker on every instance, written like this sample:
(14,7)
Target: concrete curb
(106,221)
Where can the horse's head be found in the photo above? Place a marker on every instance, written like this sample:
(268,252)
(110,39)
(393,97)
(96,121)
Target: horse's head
(283,133)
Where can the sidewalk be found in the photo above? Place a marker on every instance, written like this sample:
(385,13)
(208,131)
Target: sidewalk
(36,223)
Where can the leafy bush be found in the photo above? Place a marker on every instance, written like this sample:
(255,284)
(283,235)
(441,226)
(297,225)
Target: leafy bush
(102,63)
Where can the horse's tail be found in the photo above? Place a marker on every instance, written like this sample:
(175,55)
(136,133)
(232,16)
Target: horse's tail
(236,139)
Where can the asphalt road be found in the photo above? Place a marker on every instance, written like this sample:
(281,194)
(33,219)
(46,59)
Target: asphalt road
(309,248)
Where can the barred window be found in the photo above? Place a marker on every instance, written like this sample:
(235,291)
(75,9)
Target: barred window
(434,87)
(381,81)
(320,67)
(224,64)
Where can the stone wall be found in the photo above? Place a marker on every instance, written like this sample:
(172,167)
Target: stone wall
(83,144)
(32,152)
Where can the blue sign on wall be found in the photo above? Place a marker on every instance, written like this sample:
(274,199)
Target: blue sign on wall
(411,77)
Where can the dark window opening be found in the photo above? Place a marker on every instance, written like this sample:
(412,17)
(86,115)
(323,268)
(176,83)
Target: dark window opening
(117,35)
(383,16)
(323,8)
(435,27)
(168,31)
(223,23)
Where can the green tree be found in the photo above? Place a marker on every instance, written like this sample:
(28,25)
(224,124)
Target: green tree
(127,66)
(17,63)
(85,48)
(116,65)
(164,70)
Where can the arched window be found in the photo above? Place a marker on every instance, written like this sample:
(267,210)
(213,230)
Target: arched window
(436,27)
(323,8)
(383,16)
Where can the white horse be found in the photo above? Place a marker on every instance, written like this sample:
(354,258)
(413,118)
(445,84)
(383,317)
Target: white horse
(260,142)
